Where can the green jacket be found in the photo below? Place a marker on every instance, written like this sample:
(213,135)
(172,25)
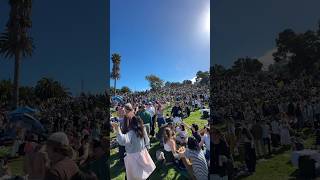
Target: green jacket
(145,116)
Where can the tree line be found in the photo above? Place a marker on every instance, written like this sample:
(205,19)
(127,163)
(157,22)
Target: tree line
(296,54)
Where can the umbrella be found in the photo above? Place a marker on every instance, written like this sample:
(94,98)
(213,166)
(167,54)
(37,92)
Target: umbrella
(22,110)
(28,122)
(118,99)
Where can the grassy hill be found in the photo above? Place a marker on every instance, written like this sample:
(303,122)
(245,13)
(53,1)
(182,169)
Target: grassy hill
(161,172)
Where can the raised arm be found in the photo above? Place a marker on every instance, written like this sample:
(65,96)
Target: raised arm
(122,139)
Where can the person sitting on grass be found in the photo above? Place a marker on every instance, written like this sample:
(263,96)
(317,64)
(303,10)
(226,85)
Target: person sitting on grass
(170,145)
(181,134)
(195,131)
(197,168)
(168,119)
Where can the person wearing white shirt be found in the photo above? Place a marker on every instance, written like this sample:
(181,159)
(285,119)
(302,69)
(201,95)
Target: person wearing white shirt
(275,136)
(266,137)
(181,134)
(205,140)
(152,112)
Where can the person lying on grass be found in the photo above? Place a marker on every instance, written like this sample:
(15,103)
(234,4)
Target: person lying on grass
(194,160)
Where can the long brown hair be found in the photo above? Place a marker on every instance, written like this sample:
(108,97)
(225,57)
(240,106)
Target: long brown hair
(136,125)
(167,134)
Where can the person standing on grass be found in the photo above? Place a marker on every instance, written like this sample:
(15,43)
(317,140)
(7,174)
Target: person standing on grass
(159,111)
(150,108)
(219,156)
(176,112)
(266,137)
(275,136)
(257,133)
(197,168)
(138,162)
(121,116)
(249,150)
(146,117)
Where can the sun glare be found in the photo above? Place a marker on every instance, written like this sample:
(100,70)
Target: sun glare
(207,22)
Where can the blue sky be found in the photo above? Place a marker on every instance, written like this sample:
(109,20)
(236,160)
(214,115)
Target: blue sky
(249,28)
(167,38)
(70,39)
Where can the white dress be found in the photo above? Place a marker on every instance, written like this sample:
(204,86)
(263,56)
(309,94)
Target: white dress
(285,135)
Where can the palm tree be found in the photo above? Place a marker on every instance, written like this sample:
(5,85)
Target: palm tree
(115,74)
(16,41)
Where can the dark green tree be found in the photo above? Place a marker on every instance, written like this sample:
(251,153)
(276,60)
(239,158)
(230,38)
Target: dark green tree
(16,40)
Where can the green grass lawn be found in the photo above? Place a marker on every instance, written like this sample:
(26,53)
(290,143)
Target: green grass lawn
(161,172)
(16,165)
(278,167)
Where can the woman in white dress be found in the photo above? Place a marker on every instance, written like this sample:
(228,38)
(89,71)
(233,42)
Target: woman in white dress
(284,134)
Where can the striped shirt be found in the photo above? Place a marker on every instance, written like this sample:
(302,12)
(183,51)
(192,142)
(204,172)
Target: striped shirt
(199,164)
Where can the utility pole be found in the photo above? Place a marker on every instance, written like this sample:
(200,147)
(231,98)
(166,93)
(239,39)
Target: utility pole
(82,86)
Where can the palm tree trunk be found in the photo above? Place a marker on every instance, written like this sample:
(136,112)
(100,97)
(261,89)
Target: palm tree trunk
(115,89)
(16,79)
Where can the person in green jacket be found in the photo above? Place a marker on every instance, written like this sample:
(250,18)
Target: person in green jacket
(146,117)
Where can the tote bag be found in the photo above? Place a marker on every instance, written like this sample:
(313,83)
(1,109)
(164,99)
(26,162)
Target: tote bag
(139,166)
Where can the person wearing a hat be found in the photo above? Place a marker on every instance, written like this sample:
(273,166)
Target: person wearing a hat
(59,152)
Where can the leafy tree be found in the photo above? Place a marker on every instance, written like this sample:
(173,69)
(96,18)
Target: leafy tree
(16,41)
(48,88)
(187,82)
(125,89)
(247,65)
(301,51)
(154,81)
(115,74)
(218,70)
(27,94)
(203,77)
(6,90)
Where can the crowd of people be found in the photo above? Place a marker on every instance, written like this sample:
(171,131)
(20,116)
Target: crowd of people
(142,117)
(74,145)
(262,113)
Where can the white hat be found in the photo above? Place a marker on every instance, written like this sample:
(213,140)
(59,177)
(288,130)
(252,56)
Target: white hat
(59,137)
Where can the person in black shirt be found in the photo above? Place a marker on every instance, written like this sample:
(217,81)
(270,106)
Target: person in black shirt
(220,155)
(176,111)
(195,132)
